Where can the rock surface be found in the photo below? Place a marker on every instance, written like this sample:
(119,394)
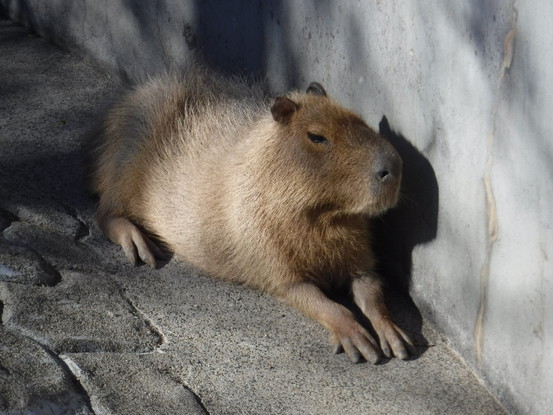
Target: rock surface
(105,338)
(34,380)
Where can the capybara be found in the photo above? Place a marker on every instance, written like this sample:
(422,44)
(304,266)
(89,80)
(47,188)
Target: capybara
(275,194)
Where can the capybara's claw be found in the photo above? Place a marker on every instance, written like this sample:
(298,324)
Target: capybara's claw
(356,342)
(393,340)
(134,243)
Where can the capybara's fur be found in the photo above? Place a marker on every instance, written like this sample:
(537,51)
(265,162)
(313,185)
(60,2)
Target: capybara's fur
(274,194)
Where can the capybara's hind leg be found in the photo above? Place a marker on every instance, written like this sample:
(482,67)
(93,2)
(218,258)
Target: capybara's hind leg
(133,241)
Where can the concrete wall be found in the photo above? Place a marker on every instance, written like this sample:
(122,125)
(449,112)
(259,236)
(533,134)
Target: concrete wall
(467,91)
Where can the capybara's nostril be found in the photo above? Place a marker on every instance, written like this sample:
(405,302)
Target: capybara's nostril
(388,167)
(382,175)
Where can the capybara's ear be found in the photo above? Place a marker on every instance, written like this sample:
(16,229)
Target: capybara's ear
(283,109)
(316,88)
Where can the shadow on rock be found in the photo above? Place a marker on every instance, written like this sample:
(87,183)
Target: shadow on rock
(396,234)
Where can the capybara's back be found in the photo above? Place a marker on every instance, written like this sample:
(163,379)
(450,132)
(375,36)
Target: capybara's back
(159,122)
(274,194)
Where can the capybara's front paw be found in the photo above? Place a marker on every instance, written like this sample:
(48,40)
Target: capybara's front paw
(356,342)
(393,340)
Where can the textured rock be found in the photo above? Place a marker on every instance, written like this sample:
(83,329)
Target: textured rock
(129,383)
(83,313)
(33,380)
(244,352)
(58,250)
(22,265)
(5,219)
(28,205)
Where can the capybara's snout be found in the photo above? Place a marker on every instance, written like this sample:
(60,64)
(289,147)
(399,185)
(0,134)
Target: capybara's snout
(387,166)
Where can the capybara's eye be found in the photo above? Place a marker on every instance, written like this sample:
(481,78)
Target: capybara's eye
(316,138)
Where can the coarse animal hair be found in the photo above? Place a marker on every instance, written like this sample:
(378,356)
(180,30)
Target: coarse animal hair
(274,194)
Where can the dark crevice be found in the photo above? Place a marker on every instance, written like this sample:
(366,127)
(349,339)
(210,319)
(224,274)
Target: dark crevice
(83,231)
(1,313)
(6,219)
(5,371)
(49,268)
(138,313)
(28,266)
(79,388)
(195,395)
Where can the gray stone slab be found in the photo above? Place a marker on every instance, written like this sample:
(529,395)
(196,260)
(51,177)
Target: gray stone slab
(82,313)
(33,380)
(60,251)
(122,384)
(28,205)
(244,352)
(22,265)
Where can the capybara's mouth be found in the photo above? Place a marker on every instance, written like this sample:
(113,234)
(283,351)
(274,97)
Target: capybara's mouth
(387,199)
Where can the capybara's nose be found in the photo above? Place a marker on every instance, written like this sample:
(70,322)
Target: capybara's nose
(388,167)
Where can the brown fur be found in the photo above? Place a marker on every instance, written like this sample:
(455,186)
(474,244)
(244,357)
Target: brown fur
(237,186)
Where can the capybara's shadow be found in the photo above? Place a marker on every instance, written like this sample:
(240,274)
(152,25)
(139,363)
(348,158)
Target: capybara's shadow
(412,222)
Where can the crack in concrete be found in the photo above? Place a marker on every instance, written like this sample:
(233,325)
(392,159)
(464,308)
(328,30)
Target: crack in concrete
(492,237)
(79,388)
(83,231)
(491,207)
(166,58)
(78,373)
(6,219)
(20,263)
(96,405)
(194,394)
(508,47)
(83,21)
(151,325)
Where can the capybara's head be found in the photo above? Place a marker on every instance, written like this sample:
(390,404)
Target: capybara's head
(344,165)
